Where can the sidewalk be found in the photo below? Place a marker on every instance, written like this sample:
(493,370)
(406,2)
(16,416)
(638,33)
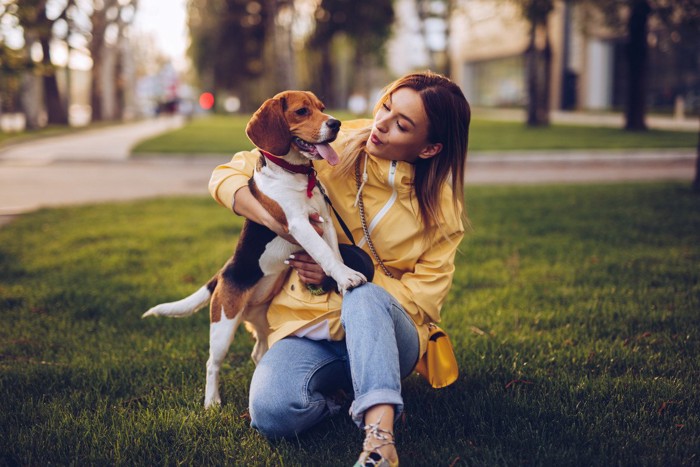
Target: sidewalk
(94,166)
(111,143)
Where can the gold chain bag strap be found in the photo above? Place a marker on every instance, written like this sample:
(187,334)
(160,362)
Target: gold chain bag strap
(438,364)
(365,230)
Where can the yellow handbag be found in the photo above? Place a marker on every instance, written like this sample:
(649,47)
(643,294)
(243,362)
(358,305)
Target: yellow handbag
(438,365)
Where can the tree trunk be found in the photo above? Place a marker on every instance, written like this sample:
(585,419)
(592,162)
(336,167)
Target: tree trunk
(97,44)
(696,182)
(31,90)
(447,67)
(96,86)
(32,94)
(637,52)
(531,70)
(285,76)
(545,73)
(278,51)
(55,109)
(326,78)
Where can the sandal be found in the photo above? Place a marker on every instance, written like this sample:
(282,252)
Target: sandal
(375,439)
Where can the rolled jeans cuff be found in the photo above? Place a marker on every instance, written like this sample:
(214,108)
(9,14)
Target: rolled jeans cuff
(372,398)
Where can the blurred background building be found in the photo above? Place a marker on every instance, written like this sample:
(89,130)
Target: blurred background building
(588,59)
(80,61)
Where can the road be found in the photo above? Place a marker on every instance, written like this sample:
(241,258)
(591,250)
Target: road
(94,166)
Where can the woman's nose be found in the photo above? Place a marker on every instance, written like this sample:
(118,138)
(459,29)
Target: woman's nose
(382,124)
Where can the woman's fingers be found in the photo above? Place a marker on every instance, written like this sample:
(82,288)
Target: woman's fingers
(309,271)
(317,222)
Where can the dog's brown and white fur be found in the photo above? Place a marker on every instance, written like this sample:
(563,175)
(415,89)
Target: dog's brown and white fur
(293,127)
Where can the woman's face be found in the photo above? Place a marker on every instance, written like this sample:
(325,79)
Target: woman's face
(400,129)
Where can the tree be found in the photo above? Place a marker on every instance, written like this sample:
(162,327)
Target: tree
(367,25)
(13,64)
(227,42)
(279,53)
(696,180)
(37,24)
(637,53)
(434,18)
(681,18)
(104,24)
(538,59)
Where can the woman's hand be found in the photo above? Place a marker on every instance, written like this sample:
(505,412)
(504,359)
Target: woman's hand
(309,271)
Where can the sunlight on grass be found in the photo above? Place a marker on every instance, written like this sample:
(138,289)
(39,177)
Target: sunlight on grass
(574,314)
(226,134)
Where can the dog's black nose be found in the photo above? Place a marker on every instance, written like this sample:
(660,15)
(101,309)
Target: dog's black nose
(333,124)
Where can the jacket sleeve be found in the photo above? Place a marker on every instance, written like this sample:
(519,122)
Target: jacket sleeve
(228,178)
(422,291)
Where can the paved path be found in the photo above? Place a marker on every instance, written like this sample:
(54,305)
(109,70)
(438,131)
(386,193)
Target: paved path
(94,166)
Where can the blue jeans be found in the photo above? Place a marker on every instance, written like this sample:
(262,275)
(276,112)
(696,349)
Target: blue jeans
(294,382)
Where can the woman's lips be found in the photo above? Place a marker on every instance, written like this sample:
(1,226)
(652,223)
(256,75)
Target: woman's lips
(376,141)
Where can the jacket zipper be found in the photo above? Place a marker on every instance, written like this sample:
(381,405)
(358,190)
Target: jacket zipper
(394,194)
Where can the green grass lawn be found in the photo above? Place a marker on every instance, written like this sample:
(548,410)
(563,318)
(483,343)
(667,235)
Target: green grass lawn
(574,314)
(226,134)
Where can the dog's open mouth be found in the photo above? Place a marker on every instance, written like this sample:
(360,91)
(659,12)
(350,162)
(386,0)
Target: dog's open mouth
(323,150)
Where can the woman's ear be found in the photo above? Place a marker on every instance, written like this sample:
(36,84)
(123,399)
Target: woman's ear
(431,150)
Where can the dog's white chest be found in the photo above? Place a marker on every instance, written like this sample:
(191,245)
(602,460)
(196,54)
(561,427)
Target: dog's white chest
(290,191)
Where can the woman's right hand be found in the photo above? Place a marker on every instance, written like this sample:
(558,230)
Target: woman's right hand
(309,271)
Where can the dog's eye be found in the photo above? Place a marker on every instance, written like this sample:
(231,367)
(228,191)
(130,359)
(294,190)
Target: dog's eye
(303,111)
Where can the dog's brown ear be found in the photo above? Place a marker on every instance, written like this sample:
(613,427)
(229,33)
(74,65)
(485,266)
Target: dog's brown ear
(268,129)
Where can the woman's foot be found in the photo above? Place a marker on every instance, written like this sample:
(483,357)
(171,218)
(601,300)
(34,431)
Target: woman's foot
(378,449)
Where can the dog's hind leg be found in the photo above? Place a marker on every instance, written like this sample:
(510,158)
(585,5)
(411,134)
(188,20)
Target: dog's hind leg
(256,312)
(222,328)
(220,338)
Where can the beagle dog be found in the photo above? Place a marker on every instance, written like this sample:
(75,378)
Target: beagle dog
(291,131)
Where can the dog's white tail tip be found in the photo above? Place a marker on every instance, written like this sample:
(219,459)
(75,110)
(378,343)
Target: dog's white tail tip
(182,308)
(150,312)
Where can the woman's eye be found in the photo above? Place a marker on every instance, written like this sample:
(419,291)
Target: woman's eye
(303,111)
(398,124)
(386,107)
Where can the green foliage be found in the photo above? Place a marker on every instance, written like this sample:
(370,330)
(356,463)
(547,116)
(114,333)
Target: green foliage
(573,314)
(227,40)
(368,24)
(12,65)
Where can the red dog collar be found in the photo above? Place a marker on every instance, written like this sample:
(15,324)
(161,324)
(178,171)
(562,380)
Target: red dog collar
(307,170)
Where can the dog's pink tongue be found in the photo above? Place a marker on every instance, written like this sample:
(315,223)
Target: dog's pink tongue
(328,153)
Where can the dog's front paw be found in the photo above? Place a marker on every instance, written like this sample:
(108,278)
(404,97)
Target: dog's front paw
(349,279)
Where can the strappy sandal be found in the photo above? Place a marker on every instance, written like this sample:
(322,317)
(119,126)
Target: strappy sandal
(375,439)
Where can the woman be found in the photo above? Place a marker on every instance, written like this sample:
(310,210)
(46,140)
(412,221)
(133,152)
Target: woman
(405,169)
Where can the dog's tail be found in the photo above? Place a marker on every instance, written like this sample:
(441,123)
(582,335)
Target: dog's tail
(188,305)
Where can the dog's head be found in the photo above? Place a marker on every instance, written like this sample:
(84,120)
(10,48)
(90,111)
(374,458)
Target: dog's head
(294,120)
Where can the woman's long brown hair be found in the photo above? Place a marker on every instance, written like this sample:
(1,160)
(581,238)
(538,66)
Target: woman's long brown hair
(448,120)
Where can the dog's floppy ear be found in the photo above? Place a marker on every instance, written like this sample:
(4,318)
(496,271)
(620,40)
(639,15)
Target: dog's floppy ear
(268,129)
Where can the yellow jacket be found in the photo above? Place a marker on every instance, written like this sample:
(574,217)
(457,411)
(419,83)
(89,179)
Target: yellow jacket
(423,272)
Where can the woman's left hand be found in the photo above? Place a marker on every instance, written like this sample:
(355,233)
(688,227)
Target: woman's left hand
(309,271)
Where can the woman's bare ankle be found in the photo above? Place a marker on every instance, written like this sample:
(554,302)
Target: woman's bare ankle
(379,432)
